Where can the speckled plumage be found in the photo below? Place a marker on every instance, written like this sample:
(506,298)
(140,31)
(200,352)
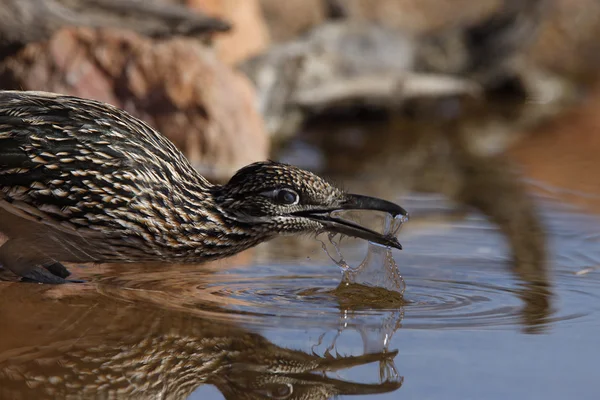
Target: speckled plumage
(83,181)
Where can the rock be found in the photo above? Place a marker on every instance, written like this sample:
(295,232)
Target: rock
(249,35)
(568,40)
(290,18)
(347,64)
(566,43)
(344,64)
(178,86)
(418,16)
(25,21)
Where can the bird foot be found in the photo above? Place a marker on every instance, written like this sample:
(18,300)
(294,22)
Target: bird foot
(54,273)
(57,269)
(56,281)
(16,256)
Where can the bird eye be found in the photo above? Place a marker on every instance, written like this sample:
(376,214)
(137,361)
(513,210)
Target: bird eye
(283,196)
(286,196)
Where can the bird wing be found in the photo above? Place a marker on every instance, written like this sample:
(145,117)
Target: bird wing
(81,165)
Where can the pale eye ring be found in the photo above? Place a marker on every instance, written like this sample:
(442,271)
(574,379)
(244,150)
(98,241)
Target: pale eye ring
(286,196)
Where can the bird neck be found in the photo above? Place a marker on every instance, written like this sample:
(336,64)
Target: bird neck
(211,232)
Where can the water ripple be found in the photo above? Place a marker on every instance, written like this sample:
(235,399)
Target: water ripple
(488,299)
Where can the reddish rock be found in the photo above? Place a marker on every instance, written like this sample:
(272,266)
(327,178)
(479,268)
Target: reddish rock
(178,86)
(249,35)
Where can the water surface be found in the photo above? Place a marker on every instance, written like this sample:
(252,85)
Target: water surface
(274,323)
(273,326)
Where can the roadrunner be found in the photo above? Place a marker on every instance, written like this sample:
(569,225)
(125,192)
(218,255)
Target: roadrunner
(82,181)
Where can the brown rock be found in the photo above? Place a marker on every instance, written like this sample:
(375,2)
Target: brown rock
(566,42)
(290,18)
(178,86)
(249,35)
(568,39)
(419,16)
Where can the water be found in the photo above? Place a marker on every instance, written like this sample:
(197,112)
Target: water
(275,322)
(378,269)
(280,327)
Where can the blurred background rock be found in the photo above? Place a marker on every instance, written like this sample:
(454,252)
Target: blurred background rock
(161,61)
(446,91)
(172,62)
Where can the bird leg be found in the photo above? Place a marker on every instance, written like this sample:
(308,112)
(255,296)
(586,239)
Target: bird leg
(17,257)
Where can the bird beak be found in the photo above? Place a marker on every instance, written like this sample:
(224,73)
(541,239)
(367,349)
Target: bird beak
(355,202)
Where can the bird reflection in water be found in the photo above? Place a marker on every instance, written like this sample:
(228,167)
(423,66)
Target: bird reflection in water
(88,344)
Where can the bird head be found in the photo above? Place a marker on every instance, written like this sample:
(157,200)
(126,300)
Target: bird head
(278,198)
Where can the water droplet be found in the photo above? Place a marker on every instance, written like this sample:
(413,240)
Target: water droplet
(378,269)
